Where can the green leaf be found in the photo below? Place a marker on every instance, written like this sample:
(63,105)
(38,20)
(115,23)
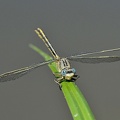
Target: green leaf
(78,106)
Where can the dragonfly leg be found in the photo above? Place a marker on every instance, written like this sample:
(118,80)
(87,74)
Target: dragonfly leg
(77,76)
(58,81)
(74,78)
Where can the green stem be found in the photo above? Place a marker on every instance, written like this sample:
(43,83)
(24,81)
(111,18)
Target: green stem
(78,106)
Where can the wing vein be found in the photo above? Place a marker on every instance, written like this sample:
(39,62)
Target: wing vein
(12,75)
(99,59)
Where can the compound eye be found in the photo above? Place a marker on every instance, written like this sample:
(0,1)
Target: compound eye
(63,72)
(73,70)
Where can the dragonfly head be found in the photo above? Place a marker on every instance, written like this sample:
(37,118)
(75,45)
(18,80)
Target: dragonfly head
(68,73)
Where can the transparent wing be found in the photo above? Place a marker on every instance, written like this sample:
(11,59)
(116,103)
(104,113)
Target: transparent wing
(97,52)
(12,75)
(99,59)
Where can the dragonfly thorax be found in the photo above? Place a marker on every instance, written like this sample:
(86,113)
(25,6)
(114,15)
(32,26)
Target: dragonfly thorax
(63,64)
(65,69)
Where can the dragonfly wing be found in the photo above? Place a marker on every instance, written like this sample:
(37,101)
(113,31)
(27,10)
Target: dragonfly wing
(97,52)
(99,59)
(12,75)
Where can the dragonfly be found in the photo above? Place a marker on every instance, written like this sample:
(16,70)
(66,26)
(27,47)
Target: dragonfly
(65,71)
